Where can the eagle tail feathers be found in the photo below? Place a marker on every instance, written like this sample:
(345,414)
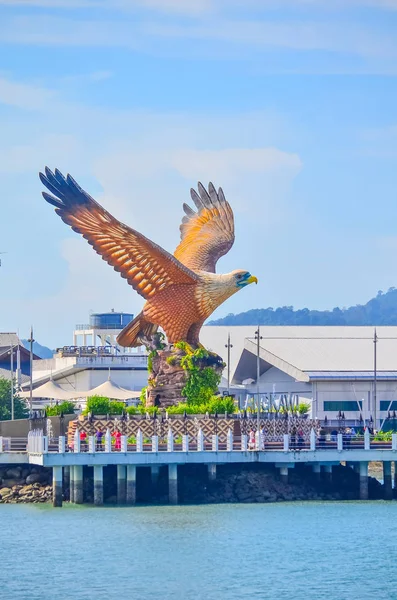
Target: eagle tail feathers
(137,333)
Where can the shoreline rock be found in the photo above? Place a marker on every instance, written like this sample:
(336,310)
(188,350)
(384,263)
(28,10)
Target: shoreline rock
(25,484)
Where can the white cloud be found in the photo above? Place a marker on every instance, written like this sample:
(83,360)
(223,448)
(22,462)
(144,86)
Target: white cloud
(30,158)
(379,142)
(25,96)
(337,37)
(201,7)
(94,77)
(53,3)
(231,163)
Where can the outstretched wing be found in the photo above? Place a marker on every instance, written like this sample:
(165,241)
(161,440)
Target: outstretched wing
(147,267)
(207,234)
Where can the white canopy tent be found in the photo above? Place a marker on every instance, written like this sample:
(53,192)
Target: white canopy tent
(111,390)
(50,390)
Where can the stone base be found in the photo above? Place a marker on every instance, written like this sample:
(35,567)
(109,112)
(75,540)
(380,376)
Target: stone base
(167,377)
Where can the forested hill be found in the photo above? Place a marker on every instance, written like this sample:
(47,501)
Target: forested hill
(381,310)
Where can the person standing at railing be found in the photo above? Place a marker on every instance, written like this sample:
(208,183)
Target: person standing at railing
(347,437)
(83,441)
(98,437)
(251,441)
(321,438)
(293,438)
(300,439)
(117,443)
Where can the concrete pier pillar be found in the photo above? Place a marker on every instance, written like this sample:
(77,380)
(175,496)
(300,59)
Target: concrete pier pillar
(71,484)
(284,474)
(78,485)
(155,472)
(131,484)
(356,467)
(57,486)
(66,476)
(363,480)
(121,484)
(316,470)
(395,476)
(98,485)
(173,484)
(327,472)
(387,480)
(212,472)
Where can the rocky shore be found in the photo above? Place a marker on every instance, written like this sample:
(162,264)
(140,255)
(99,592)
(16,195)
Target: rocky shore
(262,484)
(25,484)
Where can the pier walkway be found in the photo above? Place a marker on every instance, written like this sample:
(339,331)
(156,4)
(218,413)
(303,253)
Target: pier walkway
(129,454)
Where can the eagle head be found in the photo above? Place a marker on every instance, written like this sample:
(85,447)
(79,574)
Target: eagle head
(242,278)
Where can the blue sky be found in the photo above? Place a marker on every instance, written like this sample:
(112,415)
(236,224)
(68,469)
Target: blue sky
(289,105)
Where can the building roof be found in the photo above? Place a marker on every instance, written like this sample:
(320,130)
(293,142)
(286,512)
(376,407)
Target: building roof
(5,373)
(9,339)
(303,351)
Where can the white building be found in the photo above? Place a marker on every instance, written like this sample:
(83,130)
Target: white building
(93,357)
(332,367)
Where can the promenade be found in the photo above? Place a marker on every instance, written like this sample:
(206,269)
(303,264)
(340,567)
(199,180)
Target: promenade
(67,465)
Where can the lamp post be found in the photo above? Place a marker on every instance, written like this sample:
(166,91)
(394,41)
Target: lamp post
(228,346)
(258,338)
(31,340)
(12,381)
(375,374)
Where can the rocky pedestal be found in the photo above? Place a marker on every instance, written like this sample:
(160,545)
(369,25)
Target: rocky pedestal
(167,377)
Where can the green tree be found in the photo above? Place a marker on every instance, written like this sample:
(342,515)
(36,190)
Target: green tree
(20,409)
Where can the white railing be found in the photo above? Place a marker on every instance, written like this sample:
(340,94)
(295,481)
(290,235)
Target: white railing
(37,443)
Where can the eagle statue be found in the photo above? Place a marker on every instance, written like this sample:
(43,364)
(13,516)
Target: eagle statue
(181,290)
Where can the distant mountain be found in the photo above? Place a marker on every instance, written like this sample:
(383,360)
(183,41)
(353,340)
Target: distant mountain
(38,349)
(381,310)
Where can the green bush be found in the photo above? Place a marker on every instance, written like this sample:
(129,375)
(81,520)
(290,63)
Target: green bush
(66,408)
(100,405)
(384,436)
(141,409)
(304,408)
(217,404)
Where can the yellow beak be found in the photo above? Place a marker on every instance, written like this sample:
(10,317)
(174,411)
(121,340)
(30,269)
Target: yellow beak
(252,279)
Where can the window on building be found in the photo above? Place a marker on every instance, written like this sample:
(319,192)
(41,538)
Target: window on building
(388,405)
(342,405)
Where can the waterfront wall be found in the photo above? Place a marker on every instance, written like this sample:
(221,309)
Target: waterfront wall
(21,427)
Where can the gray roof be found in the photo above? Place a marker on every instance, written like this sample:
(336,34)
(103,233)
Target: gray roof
(5,373)
(308,349)
(9,339)
(357,375)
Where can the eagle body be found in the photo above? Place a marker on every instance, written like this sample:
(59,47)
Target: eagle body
(181,290)
(181,310)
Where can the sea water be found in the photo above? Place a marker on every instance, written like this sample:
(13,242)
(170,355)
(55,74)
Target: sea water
(301,551)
